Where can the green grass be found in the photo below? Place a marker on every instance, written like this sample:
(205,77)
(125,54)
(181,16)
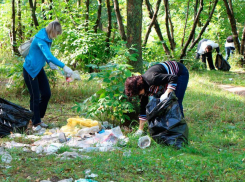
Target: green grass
(216,138)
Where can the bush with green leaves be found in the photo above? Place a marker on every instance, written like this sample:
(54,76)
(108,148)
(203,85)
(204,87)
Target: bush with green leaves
(110,102)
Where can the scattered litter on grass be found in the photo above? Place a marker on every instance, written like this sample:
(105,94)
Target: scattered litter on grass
(144,142)
(14,144)
(6,157)
(72,155)
(127,153)
(87,139)
(85,180)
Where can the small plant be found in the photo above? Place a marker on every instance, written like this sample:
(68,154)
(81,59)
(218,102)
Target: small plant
(110,99)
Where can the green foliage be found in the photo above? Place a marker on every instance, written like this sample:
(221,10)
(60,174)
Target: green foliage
(110,99)
(80,48)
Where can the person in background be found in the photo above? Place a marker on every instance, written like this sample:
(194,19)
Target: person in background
(34,74)
(159,80)
(229,47)
(204,49)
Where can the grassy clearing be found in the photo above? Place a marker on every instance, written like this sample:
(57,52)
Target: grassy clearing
(216,138)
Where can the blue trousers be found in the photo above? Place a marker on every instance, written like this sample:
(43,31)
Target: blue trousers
(40,94)
(182,83)
(228,51)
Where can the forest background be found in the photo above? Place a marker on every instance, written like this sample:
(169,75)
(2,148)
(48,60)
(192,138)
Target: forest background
(107,41)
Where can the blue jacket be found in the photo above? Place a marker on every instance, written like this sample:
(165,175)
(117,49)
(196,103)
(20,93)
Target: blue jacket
(39,54)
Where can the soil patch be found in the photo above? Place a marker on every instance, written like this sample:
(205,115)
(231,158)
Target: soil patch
(234,89)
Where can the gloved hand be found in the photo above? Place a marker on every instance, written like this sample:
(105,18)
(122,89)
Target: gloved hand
(68,71)
(53,66)
(164,96)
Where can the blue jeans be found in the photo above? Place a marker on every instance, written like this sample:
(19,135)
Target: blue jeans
(228,50)
(182,83)
(40,94)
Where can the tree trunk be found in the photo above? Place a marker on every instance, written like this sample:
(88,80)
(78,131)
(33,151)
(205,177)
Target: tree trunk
(43,11)
(33,11)
(13,32)
(108,34)
(195,14)
(186,18)
(157,28)
(50,8)
(98,16)
(152,23)
(183,52)
(78,3)
(134,29)
(243,41)
(167,21)
(119,20)
(231,17)
(19,29)
(69,11)
(205,26)
(87,15)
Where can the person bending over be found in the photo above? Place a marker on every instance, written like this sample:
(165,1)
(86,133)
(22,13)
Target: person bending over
(204,49)
(158,81)
(229,47)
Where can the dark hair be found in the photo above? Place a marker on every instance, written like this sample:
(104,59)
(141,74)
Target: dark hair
(133,85)
(209,48)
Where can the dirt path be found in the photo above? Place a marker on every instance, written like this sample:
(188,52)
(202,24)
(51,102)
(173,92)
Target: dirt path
(234,89)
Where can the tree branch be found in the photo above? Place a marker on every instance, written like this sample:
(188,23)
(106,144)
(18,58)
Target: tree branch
(157,28)
(233,24)
(119,20)
(152,22)
(183,52)
(205,26)
(98,16)
(186,18)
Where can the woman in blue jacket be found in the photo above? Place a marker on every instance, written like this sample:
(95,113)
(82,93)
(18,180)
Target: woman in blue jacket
(34,74)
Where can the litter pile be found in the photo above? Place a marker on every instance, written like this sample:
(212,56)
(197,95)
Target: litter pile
(83,134)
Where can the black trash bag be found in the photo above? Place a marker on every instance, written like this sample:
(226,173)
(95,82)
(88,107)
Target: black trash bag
(166,123)
(13,118)
(221,63)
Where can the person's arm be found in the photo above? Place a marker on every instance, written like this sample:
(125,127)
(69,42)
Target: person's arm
(143,103)
(48,55)
(142,116)
(217,49)
(163,79)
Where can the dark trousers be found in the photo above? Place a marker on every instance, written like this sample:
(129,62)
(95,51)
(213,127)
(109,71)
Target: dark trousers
(209,57)
(182,83)
(228,51)
(40,94)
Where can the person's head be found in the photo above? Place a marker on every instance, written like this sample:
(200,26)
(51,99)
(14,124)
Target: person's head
(53,29)
(209,48)
(134,86)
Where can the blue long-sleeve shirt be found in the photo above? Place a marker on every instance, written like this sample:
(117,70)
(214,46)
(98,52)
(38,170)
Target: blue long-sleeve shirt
(39,54)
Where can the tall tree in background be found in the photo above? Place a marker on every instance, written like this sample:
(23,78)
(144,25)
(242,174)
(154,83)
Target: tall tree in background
(134,29)
(119,20)
(169,26)
(33,12)
(108,34)
(43,11)
(231,16)
(13,31)
(192,33)
(154,18)
(87,15)
(19,29)
(157,27)
(97,23)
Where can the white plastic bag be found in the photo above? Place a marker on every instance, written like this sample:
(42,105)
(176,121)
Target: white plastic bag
(25,47)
